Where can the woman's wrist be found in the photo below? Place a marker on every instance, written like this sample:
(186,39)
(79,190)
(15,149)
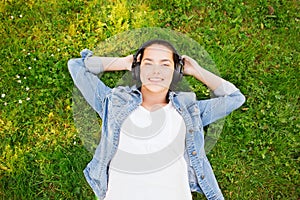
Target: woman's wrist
(124,64)
(127,62)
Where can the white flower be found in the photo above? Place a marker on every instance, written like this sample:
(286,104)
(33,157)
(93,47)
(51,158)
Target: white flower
(25,77)
(17,76)
(20,101)
(2,95)
(29,67)
(34,59)
(12,17)
(27,88)
(20,16)
(58,49)
(27,99)
(74,142)
(5,104)
(28,53)
(52,55)
(19,81)
(19,60)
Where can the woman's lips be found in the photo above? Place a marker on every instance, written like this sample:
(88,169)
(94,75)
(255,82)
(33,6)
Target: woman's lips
(155,79)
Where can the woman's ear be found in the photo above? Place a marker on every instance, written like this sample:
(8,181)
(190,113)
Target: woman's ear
(138,59)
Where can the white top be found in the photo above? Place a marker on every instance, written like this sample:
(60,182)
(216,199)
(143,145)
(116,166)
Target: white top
(149,163)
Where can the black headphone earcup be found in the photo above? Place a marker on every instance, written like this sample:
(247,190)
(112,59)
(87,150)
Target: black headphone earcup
(178,72)
(177,77)
(135,70)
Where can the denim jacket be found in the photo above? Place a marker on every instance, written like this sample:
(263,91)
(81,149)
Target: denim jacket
(115,105)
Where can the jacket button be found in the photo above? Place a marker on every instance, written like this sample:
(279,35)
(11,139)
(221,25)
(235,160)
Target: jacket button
(191,131)
(194,153)
(202,177)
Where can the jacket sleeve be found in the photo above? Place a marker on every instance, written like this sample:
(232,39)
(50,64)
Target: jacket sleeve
(228,98)
(91,87)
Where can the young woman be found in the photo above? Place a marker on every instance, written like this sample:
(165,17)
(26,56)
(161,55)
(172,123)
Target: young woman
(152,143)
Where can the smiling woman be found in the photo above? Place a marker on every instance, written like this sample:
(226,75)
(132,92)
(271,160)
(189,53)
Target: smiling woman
(160,62)
(149,131)
(157,67)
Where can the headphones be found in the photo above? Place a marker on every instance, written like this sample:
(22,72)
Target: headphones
(178,61)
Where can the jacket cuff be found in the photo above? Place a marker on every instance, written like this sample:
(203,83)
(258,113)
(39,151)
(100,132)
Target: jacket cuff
(226,88)
(92,63)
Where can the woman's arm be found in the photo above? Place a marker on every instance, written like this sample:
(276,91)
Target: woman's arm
(218,85)
(192,68)
(97,64)
(229,97)
(84,72)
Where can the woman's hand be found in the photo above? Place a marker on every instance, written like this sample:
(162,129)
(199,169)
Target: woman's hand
(190,66)
(128,61)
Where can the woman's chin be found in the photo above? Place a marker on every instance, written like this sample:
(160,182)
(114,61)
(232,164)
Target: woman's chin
(156,88)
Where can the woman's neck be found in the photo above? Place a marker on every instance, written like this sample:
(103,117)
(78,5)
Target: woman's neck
(154,100)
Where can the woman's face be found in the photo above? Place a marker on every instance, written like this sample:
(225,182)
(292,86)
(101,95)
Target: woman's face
(157,68)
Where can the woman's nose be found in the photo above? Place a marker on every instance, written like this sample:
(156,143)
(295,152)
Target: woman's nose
(156,69)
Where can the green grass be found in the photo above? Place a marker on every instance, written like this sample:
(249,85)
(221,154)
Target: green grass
(255,44)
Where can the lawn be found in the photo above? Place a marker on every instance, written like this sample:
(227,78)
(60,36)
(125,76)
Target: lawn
(254,44)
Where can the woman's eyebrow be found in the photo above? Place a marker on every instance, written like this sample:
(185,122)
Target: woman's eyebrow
(163,60)
(166,60)
(147,59)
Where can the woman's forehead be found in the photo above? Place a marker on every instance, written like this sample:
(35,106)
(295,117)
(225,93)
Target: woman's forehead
(158,51)
(159,48)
